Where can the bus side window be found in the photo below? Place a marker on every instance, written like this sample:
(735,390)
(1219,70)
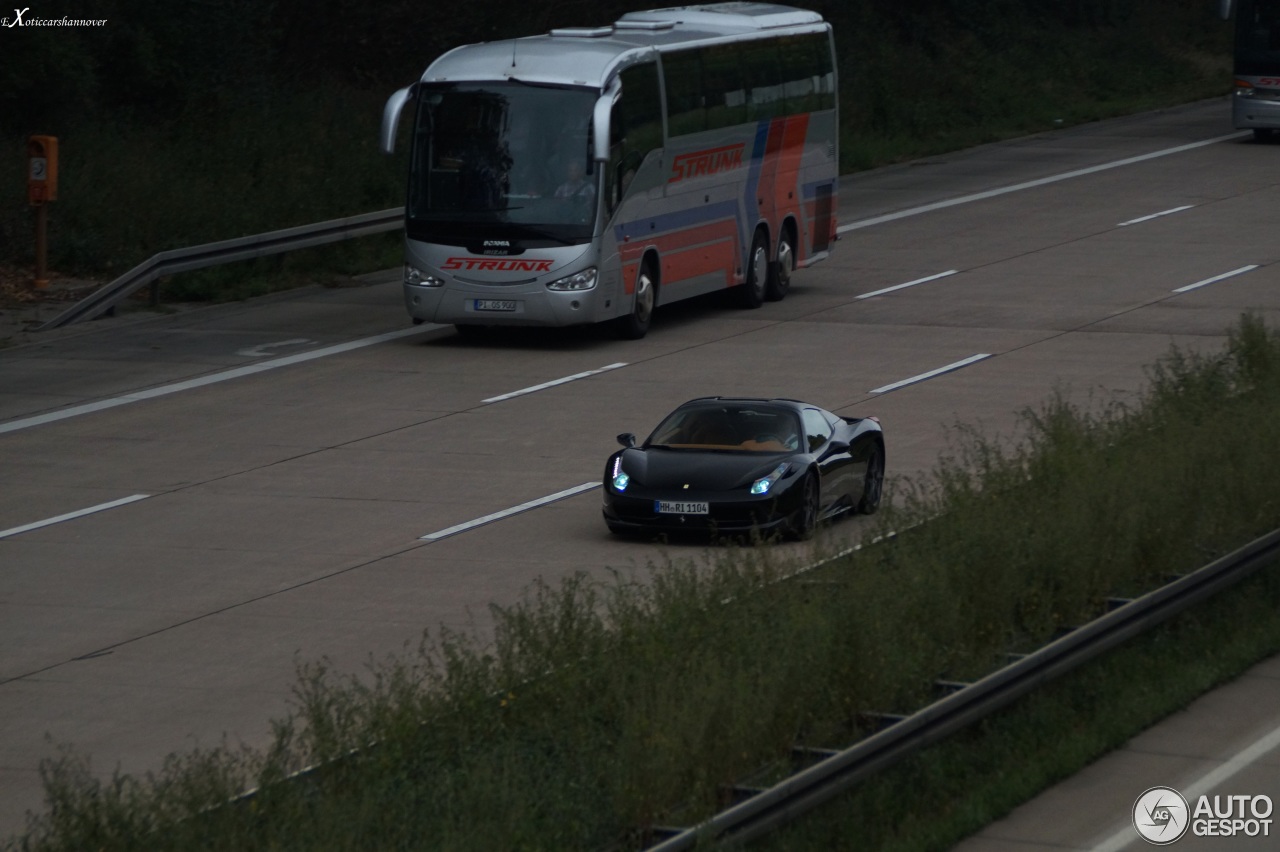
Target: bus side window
(635,128)
(764,80)
(686,104)
(725,88)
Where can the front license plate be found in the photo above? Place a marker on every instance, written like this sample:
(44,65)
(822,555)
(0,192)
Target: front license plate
(680,507)
(494,304)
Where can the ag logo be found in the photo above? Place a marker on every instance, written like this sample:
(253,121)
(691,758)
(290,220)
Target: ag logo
(1160,815)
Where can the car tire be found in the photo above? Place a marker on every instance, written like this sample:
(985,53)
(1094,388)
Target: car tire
(751,293)
(635,324)
(780,270)
(872,482)
(811,496)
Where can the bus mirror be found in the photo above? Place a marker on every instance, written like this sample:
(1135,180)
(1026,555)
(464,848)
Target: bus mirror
(391,117)
(600,129)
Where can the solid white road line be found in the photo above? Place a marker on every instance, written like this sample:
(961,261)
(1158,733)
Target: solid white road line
(929,375)
(1031,184)
(908,284)
(101,507)
(214,378)
(506,513)
(555,382)
(1233,273)
(1242,759)
(1156,215)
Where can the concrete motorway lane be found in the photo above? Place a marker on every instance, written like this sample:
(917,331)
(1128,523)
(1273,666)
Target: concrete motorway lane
(242,487)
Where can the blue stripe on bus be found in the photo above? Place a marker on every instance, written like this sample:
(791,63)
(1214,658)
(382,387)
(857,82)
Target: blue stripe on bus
(704,214)
(652,226)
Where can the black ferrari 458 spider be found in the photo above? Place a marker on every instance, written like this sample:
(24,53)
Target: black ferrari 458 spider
(744,466)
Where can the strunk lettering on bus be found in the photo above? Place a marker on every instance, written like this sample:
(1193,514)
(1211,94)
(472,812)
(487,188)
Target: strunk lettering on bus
(709,162)
(485,264)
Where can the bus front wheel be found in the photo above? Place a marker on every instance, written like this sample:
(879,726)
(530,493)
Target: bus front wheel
(636,324)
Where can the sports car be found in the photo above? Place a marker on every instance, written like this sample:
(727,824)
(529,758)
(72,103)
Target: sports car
(744,466)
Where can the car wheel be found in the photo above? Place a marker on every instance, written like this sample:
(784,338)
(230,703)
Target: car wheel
(752,291)
(780,270)
(873,482)
(810,497)
(636,324)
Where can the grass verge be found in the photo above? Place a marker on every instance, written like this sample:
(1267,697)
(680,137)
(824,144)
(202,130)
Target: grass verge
(938,797)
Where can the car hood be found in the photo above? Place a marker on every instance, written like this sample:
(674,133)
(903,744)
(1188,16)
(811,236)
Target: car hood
(700,470)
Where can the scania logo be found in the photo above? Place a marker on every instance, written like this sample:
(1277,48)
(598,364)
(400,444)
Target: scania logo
(499,243)
(708,162)
(489,264)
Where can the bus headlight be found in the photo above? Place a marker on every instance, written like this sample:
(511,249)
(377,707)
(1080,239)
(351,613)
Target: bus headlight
(415,276)
(584,280)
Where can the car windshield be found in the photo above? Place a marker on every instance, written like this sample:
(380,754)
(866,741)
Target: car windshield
(738,427)
(502,160)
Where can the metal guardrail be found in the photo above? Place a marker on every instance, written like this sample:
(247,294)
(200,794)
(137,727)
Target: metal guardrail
(770,808)
(211,254)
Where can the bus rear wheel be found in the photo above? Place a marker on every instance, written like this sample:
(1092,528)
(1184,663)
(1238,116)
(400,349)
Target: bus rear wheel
(636,324)
(780,270)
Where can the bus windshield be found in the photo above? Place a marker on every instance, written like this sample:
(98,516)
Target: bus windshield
(502,160)
(1258,37)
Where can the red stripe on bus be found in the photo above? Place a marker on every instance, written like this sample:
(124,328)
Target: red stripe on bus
(704,259)
(788,195)
(686,252)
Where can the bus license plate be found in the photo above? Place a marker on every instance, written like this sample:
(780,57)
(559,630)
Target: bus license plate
(680,507)
(494,305)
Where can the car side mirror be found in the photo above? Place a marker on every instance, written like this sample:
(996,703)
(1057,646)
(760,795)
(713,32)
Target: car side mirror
(627,439)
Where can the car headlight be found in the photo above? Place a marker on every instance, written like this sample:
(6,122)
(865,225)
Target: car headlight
(1245,89)
(415,276)
(584,280)
(620,479)
(763,484)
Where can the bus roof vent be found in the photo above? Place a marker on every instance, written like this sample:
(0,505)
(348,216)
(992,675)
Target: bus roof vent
(737,15)
(582,32)
(624,24)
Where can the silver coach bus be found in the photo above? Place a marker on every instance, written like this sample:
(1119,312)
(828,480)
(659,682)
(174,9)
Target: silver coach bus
(589,174)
